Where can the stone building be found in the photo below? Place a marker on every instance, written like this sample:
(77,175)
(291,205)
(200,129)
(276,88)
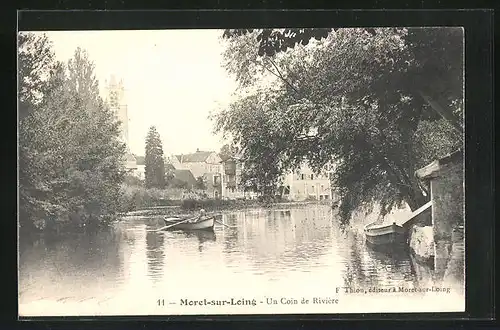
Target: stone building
(204,164)
(114,96)
(304,184)
(231,179)
(445,179)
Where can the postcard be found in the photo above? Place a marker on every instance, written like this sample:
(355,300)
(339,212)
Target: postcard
(241,171)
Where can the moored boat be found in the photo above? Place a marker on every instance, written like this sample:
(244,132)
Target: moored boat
(199,223)
(382,234)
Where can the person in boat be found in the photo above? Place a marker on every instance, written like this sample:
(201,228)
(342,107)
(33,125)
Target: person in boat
(201,215)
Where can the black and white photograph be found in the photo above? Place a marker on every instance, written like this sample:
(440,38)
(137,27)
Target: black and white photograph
(241,171)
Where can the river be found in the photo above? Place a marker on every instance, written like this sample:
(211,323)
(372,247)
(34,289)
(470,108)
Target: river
(288,253)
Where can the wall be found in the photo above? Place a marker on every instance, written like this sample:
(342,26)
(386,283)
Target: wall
(231,188)
(213,185)
(303,187)
(211,165)
(447,213)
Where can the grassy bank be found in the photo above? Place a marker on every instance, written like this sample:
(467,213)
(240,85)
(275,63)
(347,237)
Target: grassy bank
(136,197)
(174,200)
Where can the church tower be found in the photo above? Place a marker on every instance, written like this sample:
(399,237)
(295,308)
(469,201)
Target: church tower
(114,96)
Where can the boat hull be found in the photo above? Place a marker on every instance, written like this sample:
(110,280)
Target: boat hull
(384,235)
(203,224)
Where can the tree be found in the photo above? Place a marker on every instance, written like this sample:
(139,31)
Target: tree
(35,60)
(200,183)
(437,53)
(75,156)
(227,151)
(350,98)
(154,162)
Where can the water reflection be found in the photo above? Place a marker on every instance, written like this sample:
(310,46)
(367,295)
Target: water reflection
(262,249)
(277,240)
(202,236)
(155,254)
(369,266)
(59,268)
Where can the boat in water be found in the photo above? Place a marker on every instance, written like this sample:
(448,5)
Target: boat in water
(198,223)
(384,234)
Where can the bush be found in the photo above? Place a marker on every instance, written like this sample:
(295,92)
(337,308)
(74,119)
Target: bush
(131,180)
(135,198)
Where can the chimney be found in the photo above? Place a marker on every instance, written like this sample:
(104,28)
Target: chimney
(197,150)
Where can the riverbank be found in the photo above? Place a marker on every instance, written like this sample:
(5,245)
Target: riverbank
(212,206)
(140,200)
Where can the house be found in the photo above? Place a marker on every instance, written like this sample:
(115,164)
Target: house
(204,164)
(130,163)
(185,176)
(200,162)
(174,161)
(140,167)
(232,169)
(304,184)
(445,178)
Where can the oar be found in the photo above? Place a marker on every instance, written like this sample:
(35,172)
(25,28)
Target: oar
(222,223)
(175,224)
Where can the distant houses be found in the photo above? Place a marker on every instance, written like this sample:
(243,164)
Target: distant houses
(222,177)
(201,164)
(140,167)
(183,178)
(306,184)
(232,170)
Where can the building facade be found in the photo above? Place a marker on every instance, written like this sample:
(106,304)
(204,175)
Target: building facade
(445,178)
(114,97)
(305,184)
(204,164)
(232,170)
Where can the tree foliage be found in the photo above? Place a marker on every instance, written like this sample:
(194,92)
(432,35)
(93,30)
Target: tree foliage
(154,161)
(72,159)
(371,101)
(227,151)
(436,59)
(200,183)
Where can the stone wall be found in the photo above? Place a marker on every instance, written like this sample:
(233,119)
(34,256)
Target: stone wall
(447,212)
(421,243)
(447,200)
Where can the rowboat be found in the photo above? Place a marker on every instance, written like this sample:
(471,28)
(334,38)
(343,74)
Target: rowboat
(382,234)
(198,223)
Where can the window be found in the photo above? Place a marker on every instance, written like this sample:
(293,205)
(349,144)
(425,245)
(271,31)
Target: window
(312,188)
(312,176)
(303,176)
(322,187)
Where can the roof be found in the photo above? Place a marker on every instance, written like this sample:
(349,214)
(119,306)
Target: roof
(430,171)
(140,160)
(169,167)
(186,176)
(197,157)
(130,157)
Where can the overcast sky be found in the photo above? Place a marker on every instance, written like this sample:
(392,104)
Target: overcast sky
(173,79)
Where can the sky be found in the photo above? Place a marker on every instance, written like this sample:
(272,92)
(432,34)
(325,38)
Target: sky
(173,80)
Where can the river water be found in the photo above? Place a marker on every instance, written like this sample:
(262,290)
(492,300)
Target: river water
(278,255)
